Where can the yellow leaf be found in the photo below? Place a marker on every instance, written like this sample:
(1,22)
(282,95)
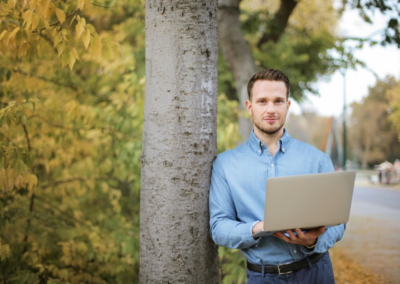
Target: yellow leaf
(35,21)
(60,15)
(71,61)
(6,38)
(79,30)
(60,48)
(11,3)
(50,11)
(65,58)
(57,39)
(83,21)
(46,24)
(14,32)
(74,53)
(80,4)
(32,181)
(27,16)
(2,35)
(33,3)
(87,4)
(86,38)
(96,46)
(22,50)
(43,6)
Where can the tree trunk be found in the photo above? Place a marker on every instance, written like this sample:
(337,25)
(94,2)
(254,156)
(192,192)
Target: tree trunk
(237,55)
(179,142)
(365,154)
(237,52)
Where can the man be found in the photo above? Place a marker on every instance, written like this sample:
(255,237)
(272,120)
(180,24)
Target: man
(237,192)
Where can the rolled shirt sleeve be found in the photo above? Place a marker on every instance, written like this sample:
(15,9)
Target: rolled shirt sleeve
(226,230)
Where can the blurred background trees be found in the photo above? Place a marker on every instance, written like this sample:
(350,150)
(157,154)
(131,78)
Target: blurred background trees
(371,132)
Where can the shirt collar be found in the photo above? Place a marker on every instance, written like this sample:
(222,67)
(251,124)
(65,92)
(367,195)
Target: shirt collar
(257,145)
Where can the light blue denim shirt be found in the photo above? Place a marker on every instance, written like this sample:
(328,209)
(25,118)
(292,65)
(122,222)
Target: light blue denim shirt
(237,197)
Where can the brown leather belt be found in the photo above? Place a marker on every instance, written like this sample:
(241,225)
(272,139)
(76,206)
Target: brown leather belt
(286,268)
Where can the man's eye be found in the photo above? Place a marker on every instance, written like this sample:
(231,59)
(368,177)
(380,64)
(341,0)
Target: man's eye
(279,101)
(261,102)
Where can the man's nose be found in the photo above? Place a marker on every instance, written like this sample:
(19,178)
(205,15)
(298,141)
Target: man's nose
(270,107)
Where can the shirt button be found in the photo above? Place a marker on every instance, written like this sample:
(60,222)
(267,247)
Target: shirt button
(283,149)
(295,251)
(272,165)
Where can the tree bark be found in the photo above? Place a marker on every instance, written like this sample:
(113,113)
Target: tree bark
(179,142)
(238,56)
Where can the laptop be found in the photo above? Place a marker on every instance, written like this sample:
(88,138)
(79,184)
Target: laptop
(307,201)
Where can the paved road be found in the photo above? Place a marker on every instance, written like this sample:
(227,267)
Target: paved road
(372,237)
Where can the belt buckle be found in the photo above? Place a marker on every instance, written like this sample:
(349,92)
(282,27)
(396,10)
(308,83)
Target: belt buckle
(283,273)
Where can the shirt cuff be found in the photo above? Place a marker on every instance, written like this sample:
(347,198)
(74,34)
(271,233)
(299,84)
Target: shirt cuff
(307,251)
(256,241)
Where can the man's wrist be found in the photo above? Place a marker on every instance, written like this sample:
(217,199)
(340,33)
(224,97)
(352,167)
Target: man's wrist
(253,226)
(311,247)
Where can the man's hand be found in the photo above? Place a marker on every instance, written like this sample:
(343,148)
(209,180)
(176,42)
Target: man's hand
(308,238)
(258,227)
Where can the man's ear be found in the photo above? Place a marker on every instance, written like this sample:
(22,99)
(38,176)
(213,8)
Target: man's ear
(288,104)
(248,107)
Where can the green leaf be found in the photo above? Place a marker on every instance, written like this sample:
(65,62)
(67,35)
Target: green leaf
(19,37)
(30,105)
(106,52)
(26,35)
(3,120)
(19,166)
(60,48)
(57,39)
(35,100)
(8,75)
(65,58)
(86,38)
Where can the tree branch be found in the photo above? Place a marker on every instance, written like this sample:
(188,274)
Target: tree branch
(47,80)
(279,23)
(27,137)
(70,15)
(55,183)
(97,5)
(77,128)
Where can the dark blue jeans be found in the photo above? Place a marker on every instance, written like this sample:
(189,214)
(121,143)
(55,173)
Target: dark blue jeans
(319,273)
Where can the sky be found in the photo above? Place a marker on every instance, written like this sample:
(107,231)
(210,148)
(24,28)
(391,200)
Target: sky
(383,60)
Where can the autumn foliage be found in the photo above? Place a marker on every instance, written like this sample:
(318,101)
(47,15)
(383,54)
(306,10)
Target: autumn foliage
(70,141)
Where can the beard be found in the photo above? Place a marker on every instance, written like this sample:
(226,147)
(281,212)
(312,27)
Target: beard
(269,131)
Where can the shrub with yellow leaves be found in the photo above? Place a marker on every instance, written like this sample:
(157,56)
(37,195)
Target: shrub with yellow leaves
(23,24)
(70,140)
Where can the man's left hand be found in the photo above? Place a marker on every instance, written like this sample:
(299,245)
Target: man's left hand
(308,238)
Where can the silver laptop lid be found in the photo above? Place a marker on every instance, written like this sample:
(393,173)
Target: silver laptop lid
(308,201)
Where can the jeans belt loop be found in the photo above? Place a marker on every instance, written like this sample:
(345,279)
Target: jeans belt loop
(263,270)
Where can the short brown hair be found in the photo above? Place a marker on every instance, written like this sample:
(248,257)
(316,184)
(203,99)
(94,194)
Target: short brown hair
(268,74)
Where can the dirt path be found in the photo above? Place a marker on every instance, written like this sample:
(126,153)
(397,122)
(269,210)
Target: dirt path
(372,239)
(348,271)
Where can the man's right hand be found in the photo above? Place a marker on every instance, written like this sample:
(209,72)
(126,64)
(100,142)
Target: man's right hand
(258,227)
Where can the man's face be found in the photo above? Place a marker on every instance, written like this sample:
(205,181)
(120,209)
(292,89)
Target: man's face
(268,106)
